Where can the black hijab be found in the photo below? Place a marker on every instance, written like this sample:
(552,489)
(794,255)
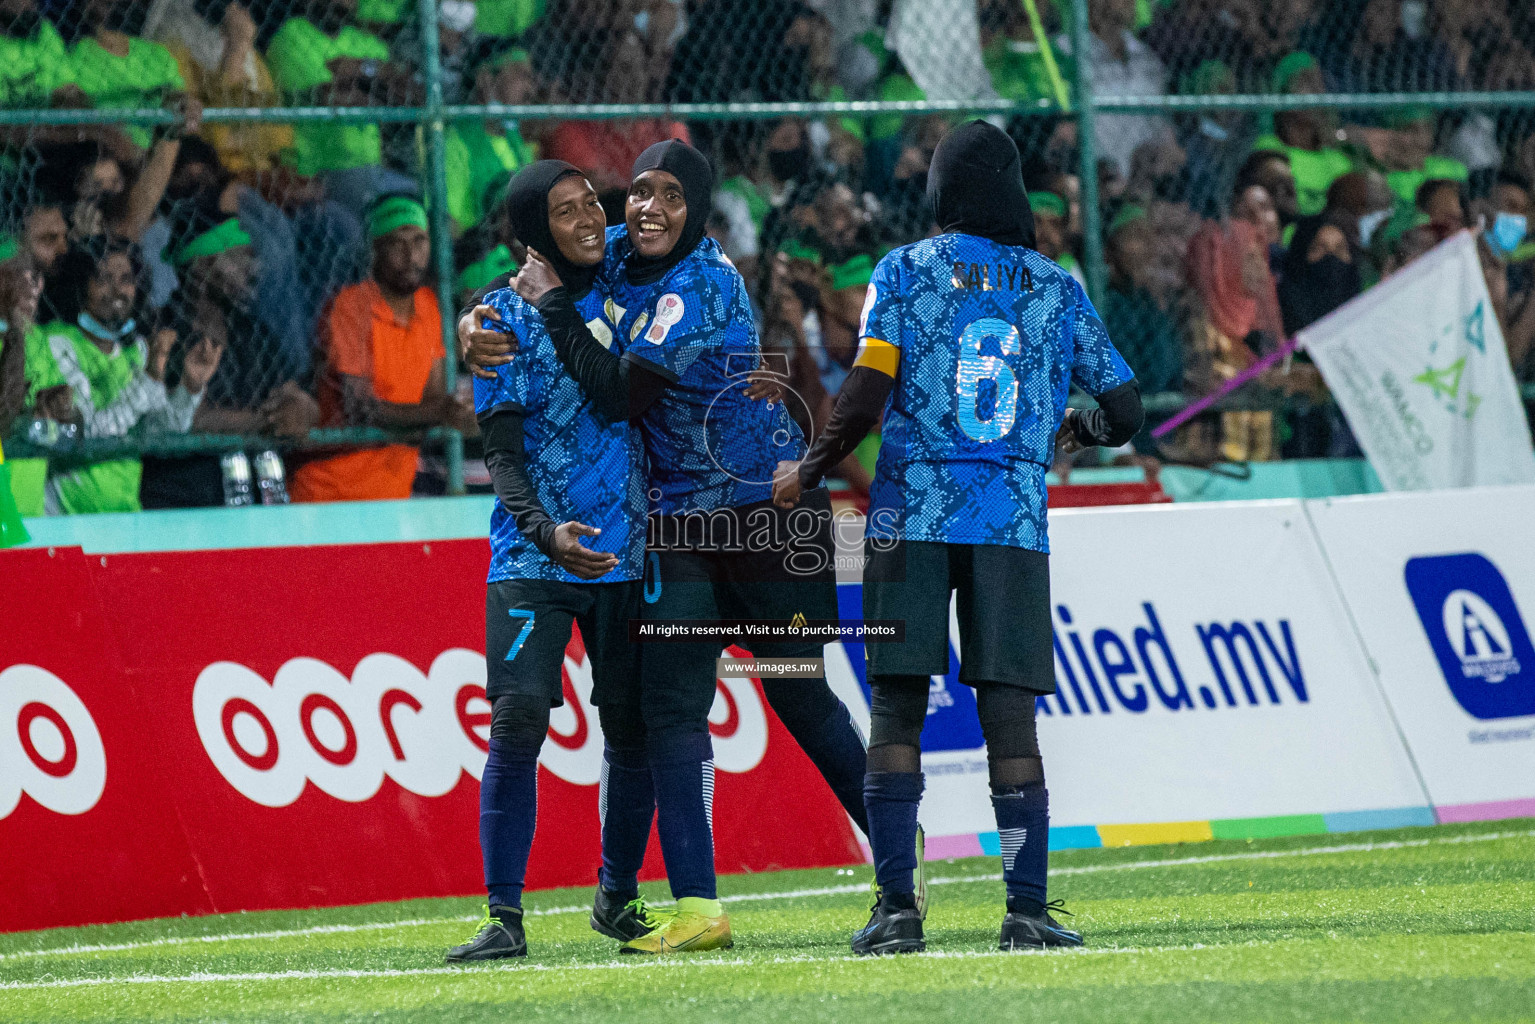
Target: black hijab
(692,169)
(527,208)
(975,186)
(1309,291)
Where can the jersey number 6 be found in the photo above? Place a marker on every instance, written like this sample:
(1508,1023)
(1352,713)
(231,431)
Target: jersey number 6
(976,369)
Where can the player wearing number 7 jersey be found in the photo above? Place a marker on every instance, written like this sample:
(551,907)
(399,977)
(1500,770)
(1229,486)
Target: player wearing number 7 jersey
(971,342)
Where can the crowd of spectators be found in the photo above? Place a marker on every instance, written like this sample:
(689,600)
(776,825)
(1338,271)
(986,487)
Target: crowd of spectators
(267,278)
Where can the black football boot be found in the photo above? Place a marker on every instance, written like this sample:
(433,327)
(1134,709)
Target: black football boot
(895,926)
(617,916)
(1028,925)
(500,935)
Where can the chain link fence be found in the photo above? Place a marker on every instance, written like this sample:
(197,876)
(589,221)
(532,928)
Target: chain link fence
(202,196)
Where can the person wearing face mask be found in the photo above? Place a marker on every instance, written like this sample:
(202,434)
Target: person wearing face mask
(117,377)
(686,373)
(1361,206)
(1506,234)
(567,543)
(1322,268)
(785,185)
(1326,265)
(1508,228)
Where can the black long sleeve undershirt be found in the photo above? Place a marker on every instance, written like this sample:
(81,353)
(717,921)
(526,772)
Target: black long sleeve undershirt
(506,458)
(620,388)
(858,407)
(1116,420)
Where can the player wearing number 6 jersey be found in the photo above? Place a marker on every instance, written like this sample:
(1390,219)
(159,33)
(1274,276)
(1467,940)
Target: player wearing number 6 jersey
(974,340)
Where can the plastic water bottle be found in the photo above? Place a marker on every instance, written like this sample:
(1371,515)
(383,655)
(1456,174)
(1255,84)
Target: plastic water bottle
(270,478)
(237,479)
(47,433)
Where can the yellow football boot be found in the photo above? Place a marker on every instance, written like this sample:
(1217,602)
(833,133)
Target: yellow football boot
(693,926)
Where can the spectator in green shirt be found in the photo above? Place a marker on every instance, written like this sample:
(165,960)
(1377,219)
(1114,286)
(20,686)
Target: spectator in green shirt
(34,68)
(18,288)
(1406,150)
(119,71)
(115,376)
(483,153)
(1304,135)
(35,71)
(326,60)
(44,396)
(504,19)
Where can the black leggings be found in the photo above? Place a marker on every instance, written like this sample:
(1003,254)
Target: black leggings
(898,711)
(519,721)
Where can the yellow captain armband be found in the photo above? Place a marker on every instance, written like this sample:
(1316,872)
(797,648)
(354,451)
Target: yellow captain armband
(879,355)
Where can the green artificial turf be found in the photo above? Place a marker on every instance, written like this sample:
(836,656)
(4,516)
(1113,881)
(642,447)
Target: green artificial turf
(1413,925)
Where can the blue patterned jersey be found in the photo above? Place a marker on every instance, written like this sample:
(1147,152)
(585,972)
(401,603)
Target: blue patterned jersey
(991,339)
(709,446)
(582,467)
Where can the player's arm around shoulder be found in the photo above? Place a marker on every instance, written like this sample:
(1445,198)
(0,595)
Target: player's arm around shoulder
(505,383)
(486,338)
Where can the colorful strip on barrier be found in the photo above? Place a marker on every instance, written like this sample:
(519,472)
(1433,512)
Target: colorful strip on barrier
(1085,837)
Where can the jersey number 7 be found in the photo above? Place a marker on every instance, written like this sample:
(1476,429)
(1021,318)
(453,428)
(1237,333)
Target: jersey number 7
(975,368)
(526,614)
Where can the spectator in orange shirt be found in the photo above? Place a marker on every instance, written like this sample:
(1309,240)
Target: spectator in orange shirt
(383,351)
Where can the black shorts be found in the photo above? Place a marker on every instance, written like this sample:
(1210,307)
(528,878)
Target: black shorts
(1002,601)
(527,625)
(752,562)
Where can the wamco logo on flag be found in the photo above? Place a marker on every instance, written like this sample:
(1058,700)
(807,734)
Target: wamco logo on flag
(1476,632)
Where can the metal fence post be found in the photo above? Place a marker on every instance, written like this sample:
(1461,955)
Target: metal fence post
(1087,146)
(437,217)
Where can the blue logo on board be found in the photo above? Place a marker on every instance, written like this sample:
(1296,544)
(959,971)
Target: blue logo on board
(1476,632)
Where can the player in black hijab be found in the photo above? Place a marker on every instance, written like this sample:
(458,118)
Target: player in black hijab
(975,186)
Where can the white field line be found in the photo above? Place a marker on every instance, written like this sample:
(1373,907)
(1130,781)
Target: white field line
(829,890)
(648,963)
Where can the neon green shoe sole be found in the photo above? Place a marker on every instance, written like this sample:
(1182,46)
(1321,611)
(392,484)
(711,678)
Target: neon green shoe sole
(688,929)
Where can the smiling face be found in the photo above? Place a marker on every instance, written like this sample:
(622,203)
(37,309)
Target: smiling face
(110,294)
(576,220)
(656,213)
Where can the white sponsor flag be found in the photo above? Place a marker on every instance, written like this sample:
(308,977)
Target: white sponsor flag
(940,46)
(1418,366)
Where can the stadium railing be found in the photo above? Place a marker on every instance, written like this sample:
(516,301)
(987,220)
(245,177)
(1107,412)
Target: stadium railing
(433,117)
